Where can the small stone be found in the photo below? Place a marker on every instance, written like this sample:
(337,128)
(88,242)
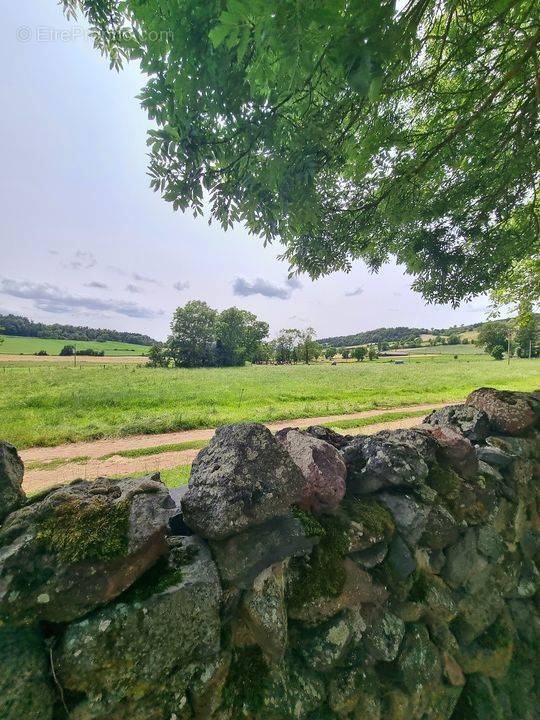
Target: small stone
(452,671)
(490,543)
(241,479)
(265,615)
(492,455)
(462,561)
(418,664)
(409,515)
(206,690)
(455,450)
(400,559)
(245,555)
(372,556)
(292,691)
(12,496)
(324,647)
(383,638)
(329,436)
(358,590)
(321,466)
(440,529)
(355,691)
(512,413)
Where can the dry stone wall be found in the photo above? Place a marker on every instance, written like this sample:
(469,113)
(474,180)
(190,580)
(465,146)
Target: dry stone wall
(307,576)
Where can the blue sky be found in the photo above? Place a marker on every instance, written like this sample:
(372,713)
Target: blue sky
(85,241)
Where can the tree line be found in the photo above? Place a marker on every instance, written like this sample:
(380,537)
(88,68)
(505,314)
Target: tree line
(23,327)
(203,337)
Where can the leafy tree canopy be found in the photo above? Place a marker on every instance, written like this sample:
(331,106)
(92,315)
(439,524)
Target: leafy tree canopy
(345,128)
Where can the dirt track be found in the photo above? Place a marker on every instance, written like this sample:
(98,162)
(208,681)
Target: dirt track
(94,466)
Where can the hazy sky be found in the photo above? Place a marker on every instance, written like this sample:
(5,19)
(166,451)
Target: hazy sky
(85,241)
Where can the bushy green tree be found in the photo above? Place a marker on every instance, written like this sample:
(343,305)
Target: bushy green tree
(159,355)
(330,352)
(67,350)
(285,344)
(497,352)
(493,335)
(346,129)
(193,335)
(345,354)
(453,340)
(372,353)
(359,353)
(308,348)
(238,336)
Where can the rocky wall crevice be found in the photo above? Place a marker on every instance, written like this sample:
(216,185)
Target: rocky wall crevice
(305,575)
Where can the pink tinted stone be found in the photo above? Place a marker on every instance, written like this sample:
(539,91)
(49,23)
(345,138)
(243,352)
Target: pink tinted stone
(321,465)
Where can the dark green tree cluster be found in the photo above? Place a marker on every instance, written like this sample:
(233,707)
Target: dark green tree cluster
(23,327)
(203,337)
(348,129)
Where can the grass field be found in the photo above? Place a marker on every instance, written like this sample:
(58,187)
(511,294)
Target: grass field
(28,346)
(447,350)
(46,404)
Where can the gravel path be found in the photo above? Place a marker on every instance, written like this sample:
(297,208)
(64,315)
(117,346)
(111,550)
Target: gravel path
(94,466)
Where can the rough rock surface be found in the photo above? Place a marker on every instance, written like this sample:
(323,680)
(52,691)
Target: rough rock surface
(465,419)
(242,557)
(148,645)
(455,449)
(264,612)
(358,590)
(508,412)
(321,466)
(328,435)
(11,477)
(242,478)
(79,547)
(25,689)
(374,464)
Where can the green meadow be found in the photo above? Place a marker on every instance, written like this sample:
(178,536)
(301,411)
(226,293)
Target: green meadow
(50,403)
(13,345)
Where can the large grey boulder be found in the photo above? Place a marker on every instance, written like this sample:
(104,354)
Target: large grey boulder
(375,463)
(26,689)
(512,413)
(465,419)
(11,477)
(242,478)
(79,547)
(321,466)
(143,650)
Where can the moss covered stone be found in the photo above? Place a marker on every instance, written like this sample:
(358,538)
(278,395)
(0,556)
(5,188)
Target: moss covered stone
(245,684)
(78,532)
(159,578)
(322,574)
(376,519)
(445,481)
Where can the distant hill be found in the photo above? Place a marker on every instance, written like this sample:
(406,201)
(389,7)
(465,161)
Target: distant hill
(396,334)
(375,336)
(18,326)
